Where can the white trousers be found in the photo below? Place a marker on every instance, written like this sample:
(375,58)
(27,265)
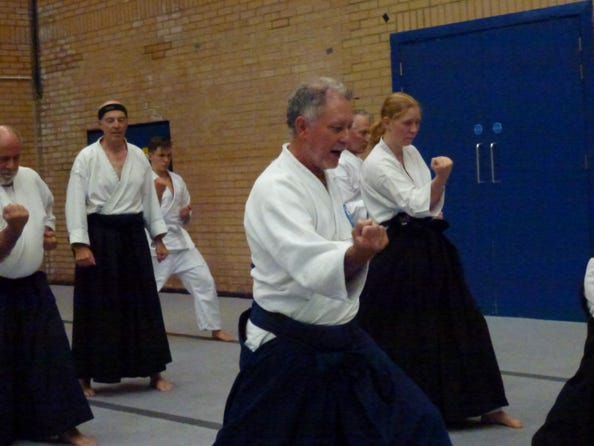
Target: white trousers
(192,270)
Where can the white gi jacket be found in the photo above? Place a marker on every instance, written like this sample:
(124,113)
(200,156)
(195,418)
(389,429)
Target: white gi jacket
(348,179)
(177,238)
(298,235)
(388,188)
(30,191)
(589,285)
(94,187)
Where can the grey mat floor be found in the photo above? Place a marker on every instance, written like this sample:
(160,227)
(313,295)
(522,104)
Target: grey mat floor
(535,356)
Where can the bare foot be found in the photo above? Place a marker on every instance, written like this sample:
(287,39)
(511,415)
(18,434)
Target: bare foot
(500,417)
(221,335)
(75,438)
(160,383)
(86,387)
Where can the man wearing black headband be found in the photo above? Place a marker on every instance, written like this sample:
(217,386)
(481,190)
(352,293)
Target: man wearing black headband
(118,329)
(109,106)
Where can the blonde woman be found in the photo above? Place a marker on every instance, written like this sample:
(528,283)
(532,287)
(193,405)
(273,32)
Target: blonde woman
(416,303)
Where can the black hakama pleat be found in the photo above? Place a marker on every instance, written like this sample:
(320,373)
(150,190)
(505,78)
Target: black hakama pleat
(417,306)
(118,328)
(570,421)
(332,386)
(40,396)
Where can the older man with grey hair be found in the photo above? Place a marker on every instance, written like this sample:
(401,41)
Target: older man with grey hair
(308,374)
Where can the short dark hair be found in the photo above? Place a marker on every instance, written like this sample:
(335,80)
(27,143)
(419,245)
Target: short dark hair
(158,141)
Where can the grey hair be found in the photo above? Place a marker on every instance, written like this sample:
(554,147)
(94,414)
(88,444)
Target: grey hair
(309,99)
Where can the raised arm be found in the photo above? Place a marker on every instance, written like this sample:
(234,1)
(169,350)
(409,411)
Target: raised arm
(368,239)
(442,166)
(16,217)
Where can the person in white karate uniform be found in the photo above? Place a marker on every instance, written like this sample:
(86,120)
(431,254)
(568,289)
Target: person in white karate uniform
(348,171)
(184,259)
(308,374)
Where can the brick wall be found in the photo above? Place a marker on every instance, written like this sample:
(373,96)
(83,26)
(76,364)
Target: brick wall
(15,75)
(220,72)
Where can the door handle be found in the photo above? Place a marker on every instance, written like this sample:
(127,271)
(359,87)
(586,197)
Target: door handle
(492,150)
(478,163)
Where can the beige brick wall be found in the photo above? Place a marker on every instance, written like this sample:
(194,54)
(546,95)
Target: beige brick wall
(15,74)
(220,72)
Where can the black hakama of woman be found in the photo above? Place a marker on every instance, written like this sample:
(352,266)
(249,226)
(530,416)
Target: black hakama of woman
(40,396)
(417,306)
(570,422)
(118,328)
(323,386)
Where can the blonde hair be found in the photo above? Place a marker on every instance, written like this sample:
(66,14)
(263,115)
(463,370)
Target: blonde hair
(394,106)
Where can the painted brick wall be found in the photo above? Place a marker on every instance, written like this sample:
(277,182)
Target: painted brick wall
(220,72)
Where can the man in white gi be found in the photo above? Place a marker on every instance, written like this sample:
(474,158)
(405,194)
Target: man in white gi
(347,173)
(308,374)
(40,398)
(184,259)
(118,329)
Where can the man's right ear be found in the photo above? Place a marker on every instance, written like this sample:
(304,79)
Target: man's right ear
(301,125)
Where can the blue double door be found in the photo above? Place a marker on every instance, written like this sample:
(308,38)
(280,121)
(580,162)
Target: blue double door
(505,98)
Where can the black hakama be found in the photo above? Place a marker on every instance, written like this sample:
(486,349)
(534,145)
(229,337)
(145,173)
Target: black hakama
(40,396)
(570,421)
(323,385)
(417,306)
(118,328)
